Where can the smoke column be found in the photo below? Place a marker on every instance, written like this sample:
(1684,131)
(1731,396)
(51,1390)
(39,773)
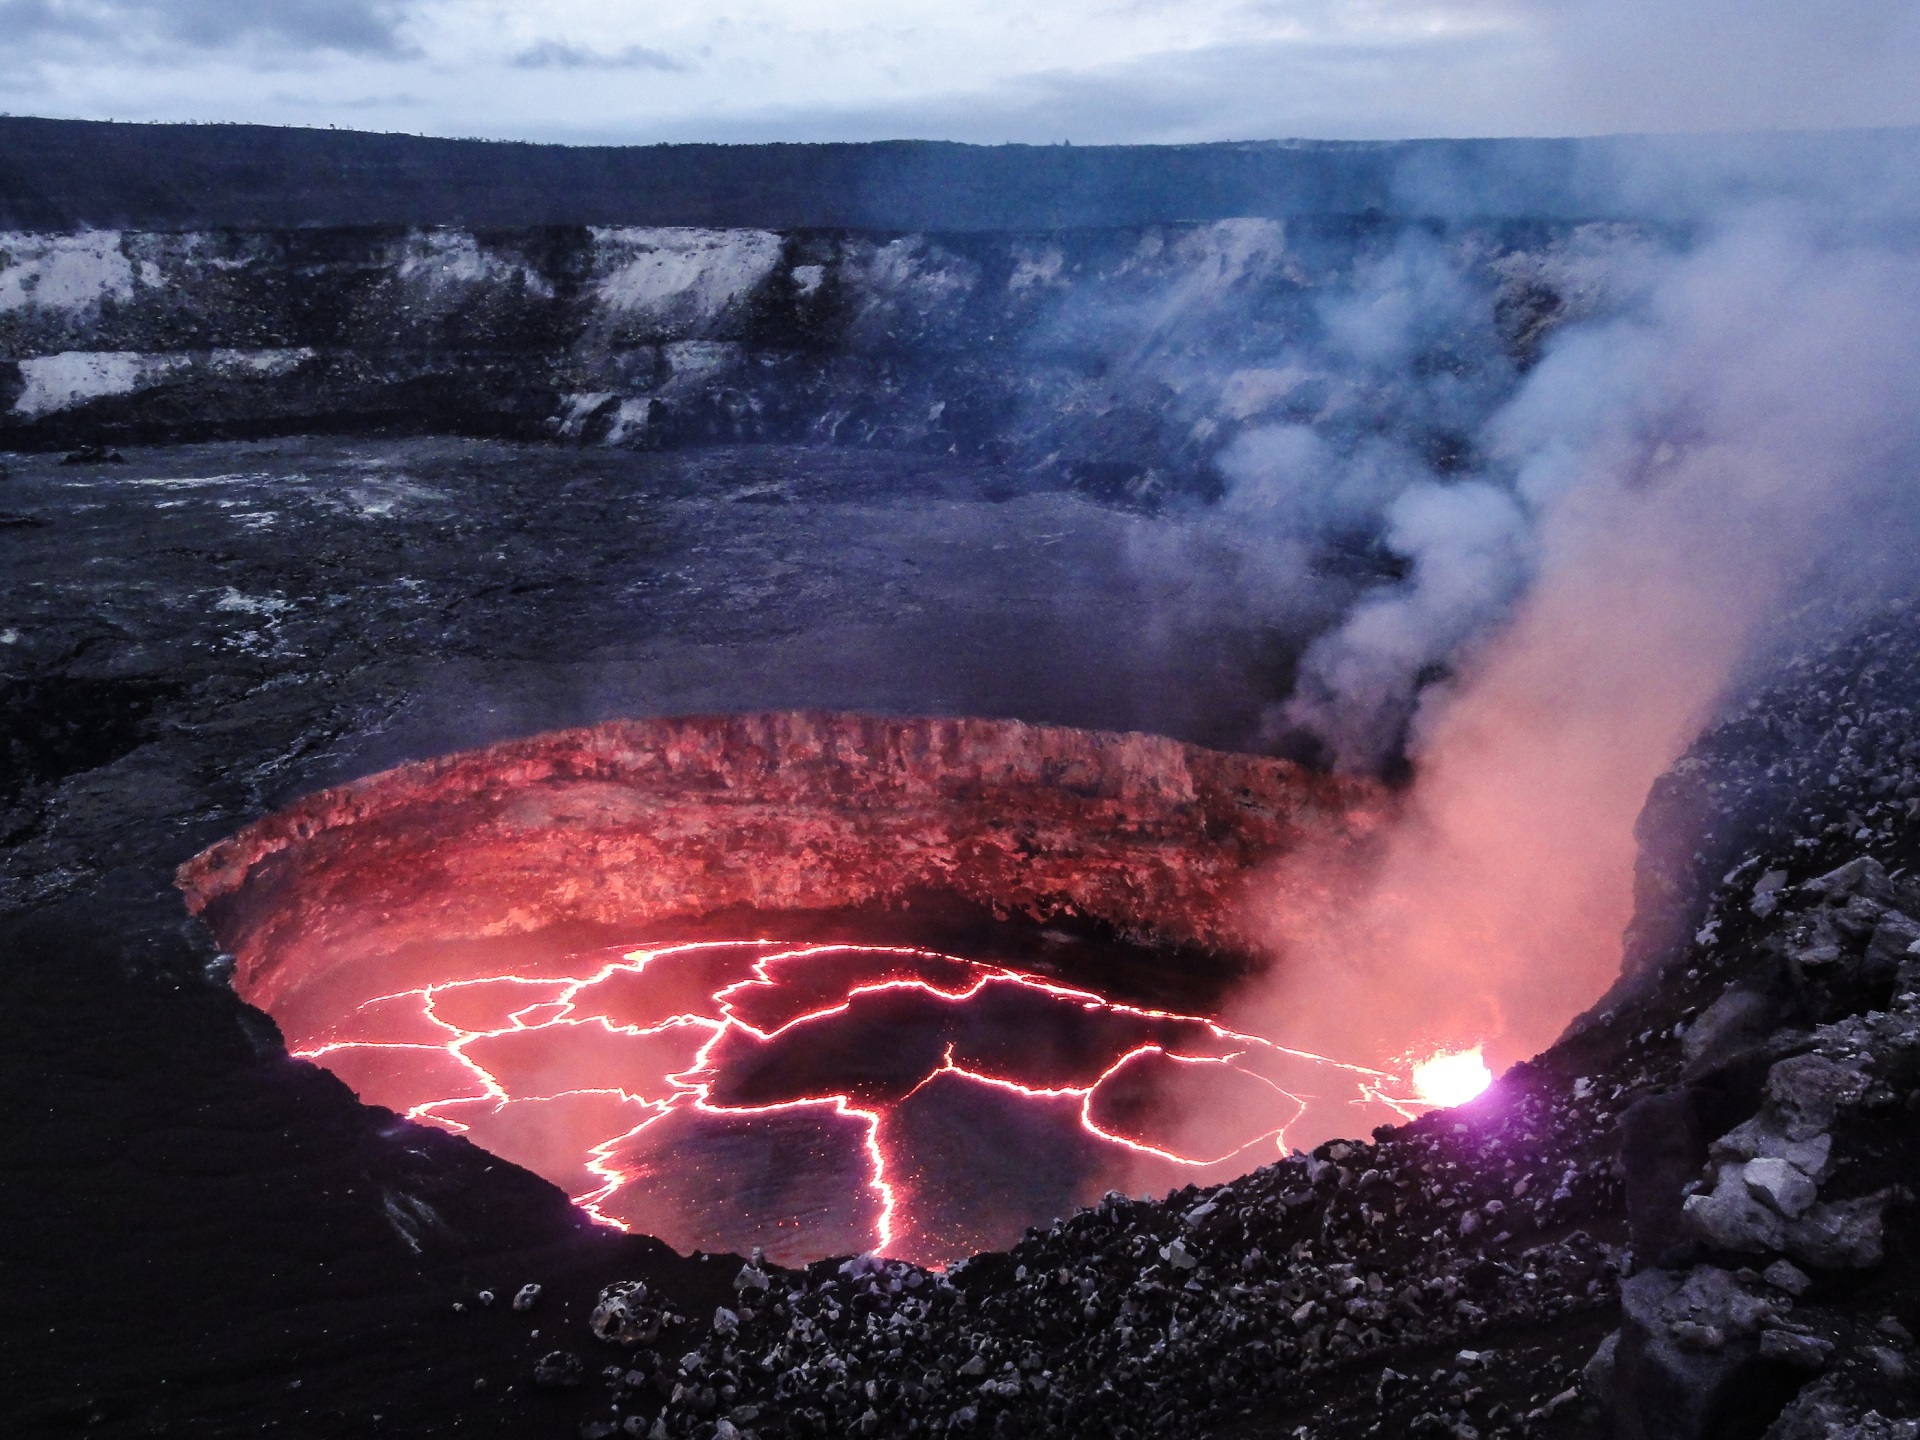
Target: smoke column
(1658,492)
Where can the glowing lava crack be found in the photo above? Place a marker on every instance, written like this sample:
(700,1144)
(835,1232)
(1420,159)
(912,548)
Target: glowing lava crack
(826,1098)
(438,936)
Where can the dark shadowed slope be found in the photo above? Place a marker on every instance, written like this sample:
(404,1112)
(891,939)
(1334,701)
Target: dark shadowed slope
(57,174)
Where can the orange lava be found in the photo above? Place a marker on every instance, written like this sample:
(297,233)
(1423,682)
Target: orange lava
(636,1079)
(437,936)
(1451,1079)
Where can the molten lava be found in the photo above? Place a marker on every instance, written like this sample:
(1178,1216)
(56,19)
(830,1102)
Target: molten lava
(830,1098)
(442,938)
(1451,1079)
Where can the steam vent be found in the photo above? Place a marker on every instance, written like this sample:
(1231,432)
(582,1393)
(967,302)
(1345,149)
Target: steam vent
(917,791)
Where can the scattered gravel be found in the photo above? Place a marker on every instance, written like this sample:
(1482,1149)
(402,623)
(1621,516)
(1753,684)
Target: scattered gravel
(1725,1138)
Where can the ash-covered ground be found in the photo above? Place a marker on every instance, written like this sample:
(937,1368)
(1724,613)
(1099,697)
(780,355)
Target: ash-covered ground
(206,1238)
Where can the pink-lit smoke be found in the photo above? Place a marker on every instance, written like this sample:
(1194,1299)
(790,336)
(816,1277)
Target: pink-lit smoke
(1667,484)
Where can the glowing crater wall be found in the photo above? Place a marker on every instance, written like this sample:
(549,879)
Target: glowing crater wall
(439,936)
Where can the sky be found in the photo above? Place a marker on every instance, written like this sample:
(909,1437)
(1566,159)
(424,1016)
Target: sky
(1087,71)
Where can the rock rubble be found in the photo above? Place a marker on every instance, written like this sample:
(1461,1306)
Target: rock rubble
(1801,1185)
(1692,1217)
(1138,1316)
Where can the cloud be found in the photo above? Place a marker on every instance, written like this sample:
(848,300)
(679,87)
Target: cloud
(1730,64)
(1277,89)
(557,55)
(82,29)
(992,72)
(1533,67)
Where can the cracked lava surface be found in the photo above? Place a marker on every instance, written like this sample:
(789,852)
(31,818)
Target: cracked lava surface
(541,945)
(822,1099)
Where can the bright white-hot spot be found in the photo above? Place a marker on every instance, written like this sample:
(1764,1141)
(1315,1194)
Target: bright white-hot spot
(1451,1079)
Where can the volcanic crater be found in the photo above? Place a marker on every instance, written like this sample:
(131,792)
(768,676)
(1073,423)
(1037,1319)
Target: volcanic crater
(811,982)
(825,985)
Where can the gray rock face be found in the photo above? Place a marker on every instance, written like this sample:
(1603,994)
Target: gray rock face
(1125,362)
(1731,1217)
(1801,1352)
(1764,1175)
(1764,1138)
(1687,1349)
(1821,1412)
(1708,1352)
(1764,1188)
(1766,1171)
(1779,1184)
(1842,1235)
(1806,1094)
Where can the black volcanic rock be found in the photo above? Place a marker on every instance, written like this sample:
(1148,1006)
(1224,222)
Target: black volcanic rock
(1661,1151)
(168,1157)
(66,174)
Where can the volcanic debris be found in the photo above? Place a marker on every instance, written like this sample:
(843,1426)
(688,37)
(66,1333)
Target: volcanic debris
(1692,1218)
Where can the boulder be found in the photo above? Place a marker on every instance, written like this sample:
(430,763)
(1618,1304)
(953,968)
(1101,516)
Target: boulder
(1759,1139)
(1797,1351)
(1815,947)
(1787,1277)
(752,1280)
(1766,893)
(1862,875)
(1729,1217)
(1840,1235)
(558,1370)
(1893,941)
(1821,1412)
(1779,1184)
(1687,1362)
(1806,1093)
(623,1316)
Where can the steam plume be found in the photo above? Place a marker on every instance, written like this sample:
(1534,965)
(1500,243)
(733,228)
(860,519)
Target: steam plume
(1657,493)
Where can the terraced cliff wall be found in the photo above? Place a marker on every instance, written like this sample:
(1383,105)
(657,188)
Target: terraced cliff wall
(1123,362)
